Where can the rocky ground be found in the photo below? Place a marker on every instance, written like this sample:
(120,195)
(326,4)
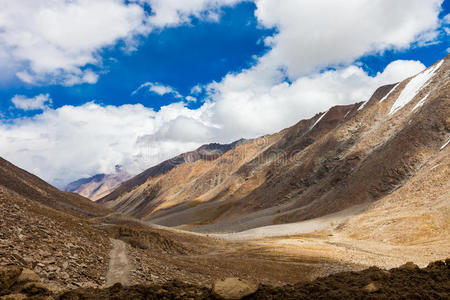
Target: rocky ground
(63,250)
(405,282)
(70,252)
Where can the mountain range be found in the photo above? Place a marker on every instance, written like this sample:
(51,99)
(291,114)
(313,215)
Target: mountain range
(347,158)
(359,185)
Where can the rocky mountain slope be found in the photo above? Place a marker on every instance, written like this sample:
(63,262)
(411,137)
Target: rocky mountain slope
(355,156)
(46,230)
(204,153)
(70,241)
(28,186)
(99,185)
(363,184)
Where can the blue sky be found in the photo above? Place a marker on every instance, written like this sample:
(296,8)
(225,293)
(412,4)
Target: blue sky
(258,67)
(182,57)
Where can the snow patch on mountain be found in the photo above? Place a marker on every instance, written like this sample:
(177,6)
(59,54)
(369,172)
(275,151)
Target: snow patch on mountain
(362,105)
(390,92)
(318,120)
(413,87)
(421,102)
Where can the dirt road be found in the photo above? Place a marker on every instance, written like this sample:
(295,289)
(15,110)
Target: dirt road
(119,265)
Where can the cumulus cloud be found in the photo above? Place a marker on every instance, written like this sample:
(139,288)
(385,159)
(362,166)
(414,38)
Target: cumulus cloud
(174,12)
(313,36)
(191,99)
(64,144)
(38,102)
(317,34)
(243,105)
(69,142)
(52,41)
(158,88)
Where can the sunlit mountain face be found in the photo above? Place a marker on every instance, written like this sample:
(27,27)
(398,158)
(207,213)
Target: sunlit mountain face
(84,90)
(224,149)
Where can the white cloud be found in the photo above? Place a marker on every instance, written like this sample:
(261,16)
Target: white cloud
(52,41)
(159,89)
(69,142)
(38,102)
(174,12)
(64,144)
(315,34)
(246,107)
(75,141)
(197,89)
(446,19)
(191,99)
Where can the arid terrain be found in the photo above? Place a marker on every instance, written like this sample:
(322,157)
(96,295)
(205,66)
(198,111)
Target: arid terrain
(368,181)
(99,185)
(357,186)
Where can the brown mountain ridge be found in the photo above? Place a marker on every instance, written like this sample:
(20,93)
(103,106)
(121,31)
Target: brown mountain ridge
(346,158)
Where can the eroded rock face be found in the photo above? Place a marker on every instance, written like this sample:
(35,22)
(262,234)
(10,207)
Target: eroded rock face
(234,288)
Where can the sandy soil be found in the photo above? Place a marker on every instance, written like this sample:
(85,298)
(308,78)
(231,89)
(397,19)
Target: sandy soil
(309,226)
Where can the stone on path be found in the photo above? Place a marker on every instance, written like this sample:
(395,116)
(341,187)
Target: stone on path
(234,288)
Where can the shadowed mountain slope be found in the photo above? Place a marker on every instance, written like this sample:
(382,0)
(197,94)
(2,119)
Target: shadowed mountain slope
(29,186)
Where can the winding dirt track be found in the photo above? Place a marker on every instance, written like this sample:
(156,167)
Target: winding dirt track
(119,265)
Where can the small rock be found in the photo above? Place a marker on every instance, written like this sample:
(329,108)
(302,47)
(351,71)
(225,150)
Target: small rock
(409,266)
(371,288)
(28,276)
(64,275)
(234,288)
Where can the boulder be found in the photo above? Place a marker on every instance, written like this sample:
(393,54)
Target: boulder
(371,288)
(409,266)
(234,288)
(28,276)
(8,276)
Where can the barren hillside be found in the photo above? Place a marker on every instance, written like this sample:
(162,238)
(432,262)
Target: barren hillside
(97,186)
(349,156)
